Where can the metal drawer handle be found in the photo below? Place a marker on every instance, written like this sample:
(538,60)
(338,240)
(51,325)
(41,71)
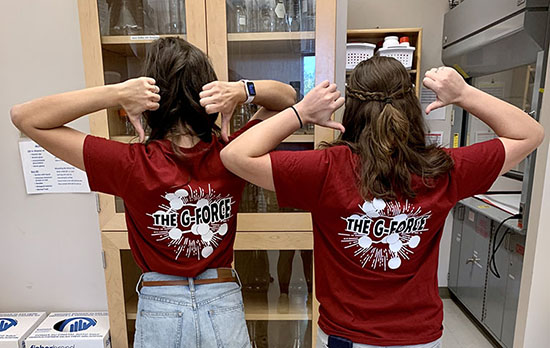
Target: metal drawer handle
(472,259)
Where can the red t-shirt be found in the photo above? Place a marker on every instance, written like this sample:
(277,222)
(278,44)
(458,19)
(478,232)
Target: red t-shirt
(181,211)
(376,261)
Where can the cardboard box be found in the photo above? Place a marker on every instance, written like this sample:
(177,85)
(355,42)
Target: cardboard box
(72,330)
(15,327)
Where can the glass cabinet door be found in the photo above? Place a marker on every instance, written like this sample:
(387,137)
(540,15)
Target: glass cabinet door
(141,17)
(271,39)
(277,294)
(514,86)
(127,27)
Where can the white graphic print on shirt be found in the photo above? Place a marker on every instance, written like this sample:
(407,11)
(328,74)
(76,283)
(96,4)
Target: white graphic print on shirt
(385,233)
(193,222)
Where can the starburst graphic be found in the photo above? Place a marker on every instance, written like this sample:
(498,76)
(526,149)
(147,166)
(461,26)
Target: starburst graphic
(384,234)
(192,222)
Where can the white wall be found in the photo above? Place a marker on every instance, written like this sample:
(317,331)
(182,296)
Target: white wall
(428,15)
(50,247)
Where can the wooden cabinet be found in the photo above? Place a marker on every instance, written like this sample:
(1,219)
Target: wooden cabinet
(273,248)
(375,36)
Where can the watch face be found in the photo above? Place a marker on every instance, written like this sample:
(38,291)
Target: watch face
(251,89)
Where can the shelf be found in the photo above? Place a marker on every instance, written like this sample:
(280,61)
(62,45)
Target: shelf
(348,72)
(134,39)
(379,33)
(300,138)
(127,139)
(269,36)
(255,308)
(295,138)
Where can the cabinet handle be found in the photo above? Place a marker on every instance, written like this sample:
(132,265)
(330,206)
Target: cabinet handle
(461,212)
(472,259)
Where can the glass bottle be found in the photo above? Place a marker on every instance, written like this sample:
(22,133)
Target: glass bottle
(150,18)
(240,18)
(271,201)
(103,11)
(174,16)
(262,203)
(294,17)
(125,18)
(252,330)
(310,15)
(238,119)
(297,335)
(182,23)
(252,16)
(267,15)
(280,16)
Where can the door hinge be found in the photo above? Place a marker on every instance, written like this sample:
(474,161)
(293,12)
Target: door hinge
(103,259)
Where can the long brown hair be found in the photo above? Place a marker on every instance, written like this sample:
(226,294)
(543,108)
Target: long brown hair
(180,70)
(385,127)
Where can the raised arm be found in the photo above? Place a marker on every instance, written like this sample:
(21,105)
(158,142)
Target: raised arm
(247,155)
(43,119)
(223,97)
(520,133)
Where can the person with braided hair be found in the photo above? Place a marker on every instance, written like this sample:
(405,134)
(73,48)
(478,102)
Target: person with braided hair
(379,195)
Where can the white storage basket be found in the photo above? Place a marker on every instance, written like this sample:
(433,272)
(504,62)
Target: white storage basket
(358,52)
(403,54)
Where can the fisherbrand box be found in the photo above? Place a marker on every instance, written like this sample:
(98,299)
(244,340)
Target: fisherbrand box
(15,327)
(72,330)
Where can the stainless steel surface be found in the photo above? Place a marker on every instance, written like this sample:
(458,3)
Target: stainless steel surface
(456,240)
(515,250)
(500,46)
(493,301)
(474,15)
(491,212)
(473,261)
(496,291)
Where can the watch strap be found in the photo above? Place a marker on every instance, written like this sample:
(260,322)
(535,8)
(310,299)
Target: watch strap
(249,97)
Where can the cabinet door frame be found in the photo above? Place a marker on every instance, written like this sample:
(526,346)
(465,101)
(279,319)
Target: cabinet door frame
(325,69)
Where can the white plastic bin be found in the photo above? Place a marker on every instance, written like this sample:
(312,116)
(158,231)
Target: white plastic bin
(358,52)
(403,54)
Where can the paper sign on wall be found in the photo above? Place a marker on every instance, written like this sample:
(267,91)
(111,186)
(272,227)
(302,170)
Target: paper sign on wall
(45,173)
(427,96)
(434,138)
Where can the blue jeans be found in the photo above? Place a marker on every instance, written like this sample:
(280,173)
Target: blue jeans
(322,342)
(204,315)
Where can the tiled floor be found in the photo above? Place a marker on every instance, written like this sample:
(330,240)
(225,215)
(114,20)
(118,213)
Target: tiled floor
(459,331)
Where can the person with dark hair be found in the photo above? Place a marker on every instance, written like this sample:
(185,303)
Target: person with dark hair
(379,195)
(180,202)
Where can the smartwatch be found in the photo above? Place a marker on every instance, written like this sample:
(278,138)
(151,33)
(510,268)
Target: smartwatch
(250,91)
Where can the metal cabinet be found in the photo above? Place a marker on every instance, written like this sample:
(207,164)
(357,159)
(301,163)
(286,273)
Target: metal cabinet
(515,251)
(473,261)
(491,300)
(456,241)
(496,293)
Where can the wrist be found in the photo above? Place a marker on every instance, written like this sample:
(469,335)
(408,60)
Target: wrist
(118,91)
(464,96)
(302,112)
(239,92)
